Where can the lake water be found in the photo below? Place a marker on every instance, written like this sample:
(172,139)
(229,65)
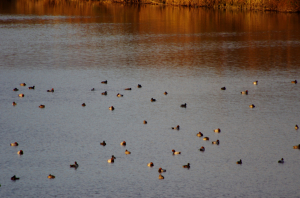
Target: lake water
(191,54)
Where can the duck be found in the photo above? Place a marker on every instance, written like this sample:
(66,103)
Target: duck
(199,134)
(239,162)
(202,148)
(14,178)
(145,122)
(14,144)
(51,176)
(296,126)
(223,88)
(104,82)
(160,170)
(50,90)
(14,104)
(20,152)
(252,106)
(119,95)
(16,89)
(177,127)
(31,87)
(218,130)
(166,93)
(244,92)
(42,106)
(75,165)
(217,142)
(111,108)
(161,177)
(23,84)
(176,152)
(255,82)
(153,100)
(139,86)
(281,161)
(186,166)
(296,147)
(127,89)
(103,143)
(21,95)
(104,93)
(183,105)
(294,81)
(127,152)
(111,160)
(206,138)
(150,164)
(123,143)
(83,104)
(93,89)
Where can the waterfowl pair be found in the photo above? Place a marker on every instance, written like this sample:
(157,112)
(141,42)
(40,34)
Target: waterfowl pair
(150,164)
(177,127)
(199,134)
(51,176)
(50,90)
(14,144)
(160,170)
(20,152)
(75,165)
(176,152)
(103,143)
(14,178)
(186,166)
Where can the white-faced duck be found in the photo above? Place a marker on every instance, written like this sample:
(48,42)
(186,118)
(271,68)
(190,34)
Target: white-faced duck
(244,92)
(294,81)
(153,100)
(83,104)
(218,130)
(223,88)
(177,127)
(14,144)
(161,177)
(31,87)
(187,166)
(139,86)
(183,105)
(111,108)
(42,106)
(75,165)
(104,82)
(93,89)
(160,170)
(16,89)
(206,138)
(103,143)
(127,152)
(199,134)
(281,161)
(150,164)
(296,127)
(51,176)
(20,152)
(123,143)
(21,95)
(217,142)
(104,93)
(119,95)
(239,162)
(176,152)
(255,82)
(14,178)
(166,93)
(252,106)
(50,90)
(23,84)
(202,148)
(14,104)
(127,89)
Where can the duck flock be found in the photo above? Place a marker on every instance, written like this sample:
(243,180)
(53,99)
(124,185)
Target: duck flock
(123,143)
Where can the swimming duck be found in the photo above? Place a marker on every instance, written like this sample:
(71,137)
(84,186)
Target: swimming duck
(166,93)
(218,130)
(255,82)
(217,142)
(206,138)
(177,127)
(111,160)
(104,93)
(145,122)
(183,105)
(111,108)
(239,162)
(127,89)
(119,95)
(153,100)
(202,148)
(176,152)
(83,104)
(103,143)
(127,152)
(252,106)
(281,161)
(296,126)
(104,82)
(14,178)
(14,104)
(294,81)
(93,89)
(186,166)
(31,87)
(150,164)
(160,170)
(223,88)
(244,92)
(50,90)
(42,106)
(199,134)
(296,147)
(75,165)
(16,89)
(23,84)
(51,176)
(20,152)
(14,144)
(21,95)
(139,86)
(161,177)
(123,143)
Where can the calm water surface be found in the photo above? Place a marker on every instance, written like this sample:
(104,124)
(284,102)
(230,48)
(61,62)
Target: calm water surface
(191,54)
